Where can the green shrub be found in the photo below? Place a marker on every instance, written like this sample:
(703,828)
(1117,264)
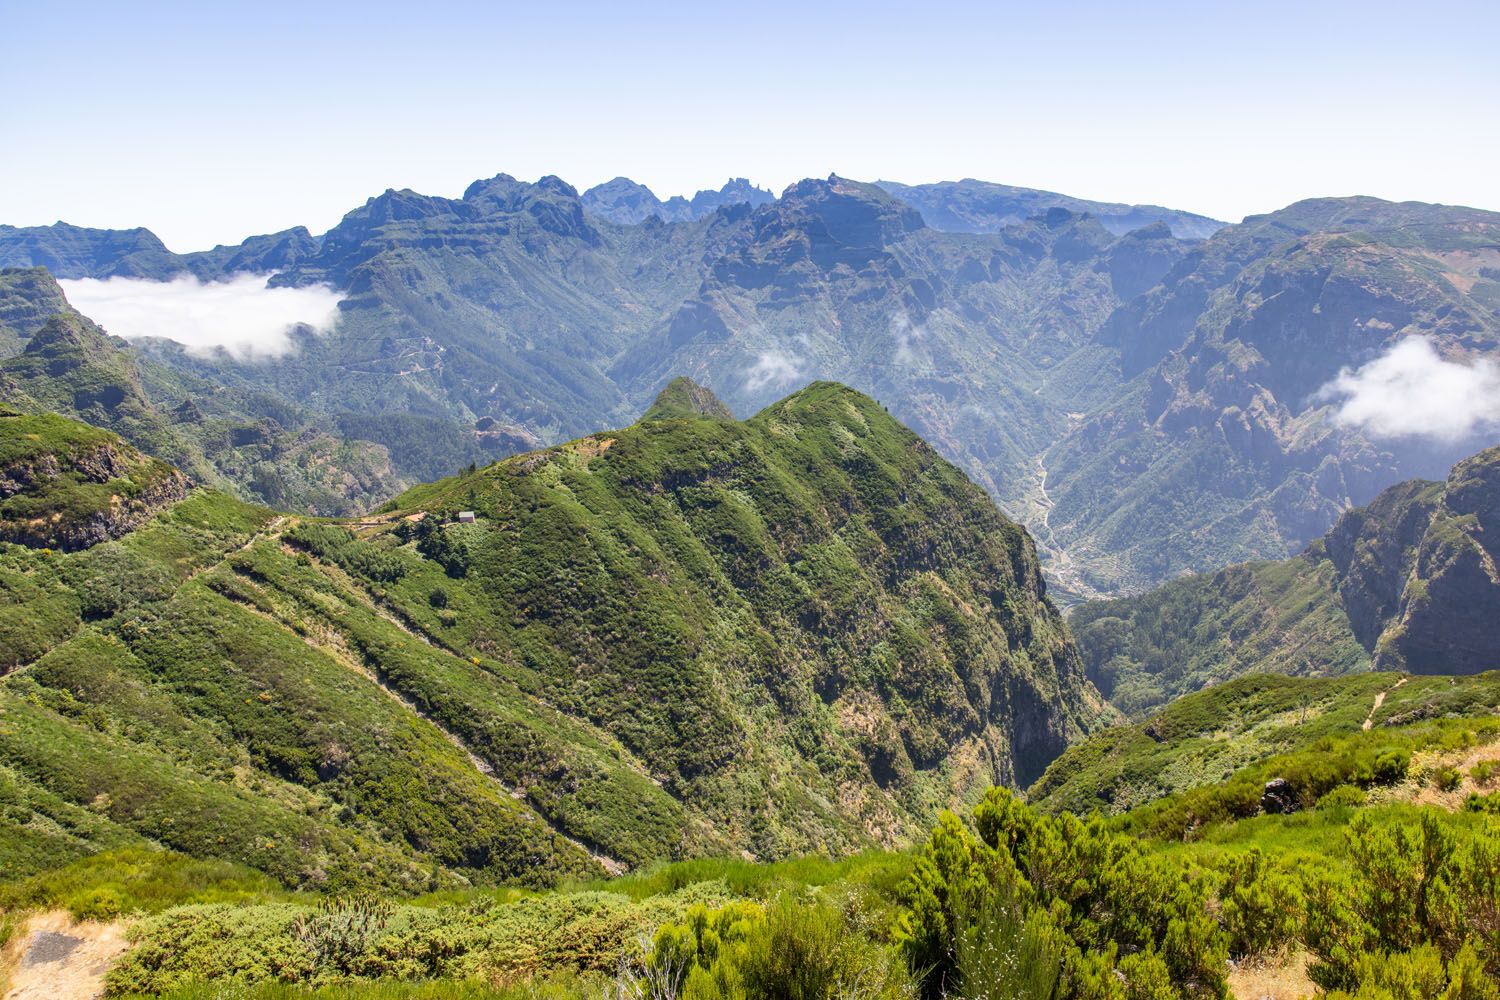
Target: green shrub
(789,951)
(1483,773)
(1096,894)
(1420,974)
(1261,906)
(103,903)
(1447,779)
(1390,767)
(1489,803)
(338,545)
(1343,797)
(1409,887)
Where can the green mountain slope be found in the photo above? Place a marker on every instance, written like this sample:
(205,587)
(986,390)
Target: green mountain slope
(801,632)
(28,298)
(1305,730)
(1405,583)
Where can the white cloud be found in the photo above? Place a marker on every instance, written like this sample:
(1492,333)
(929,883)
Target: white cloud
(240,315)
(773,367)
(907,339)
(1411,391)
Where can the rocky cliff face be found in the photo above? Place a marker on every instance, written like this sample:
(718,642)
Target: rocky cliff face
(67,486)
(1446,620)
(624,201)
(1373,549)
(1407,582)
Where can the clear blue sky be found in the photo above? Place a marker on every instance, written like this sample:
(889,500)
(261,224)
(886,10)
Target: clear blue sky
(208,122)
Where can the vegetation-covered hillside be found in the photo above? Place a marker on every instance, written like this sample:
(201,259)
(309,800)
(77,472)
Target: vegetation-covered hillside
(1405,583)
(803,632)
(1263,726)
(67,485)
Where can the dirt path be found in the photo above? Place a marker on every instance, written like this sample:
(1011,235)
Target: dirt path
(56,959)
(1276,980)
(1379,700)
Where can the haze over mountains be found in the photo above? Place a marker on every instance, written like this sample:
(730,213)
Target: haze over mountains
(1149,400)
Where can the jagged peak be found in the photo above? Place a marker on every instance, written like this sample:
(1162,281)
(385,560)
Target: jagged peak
(684,398)
(70,331)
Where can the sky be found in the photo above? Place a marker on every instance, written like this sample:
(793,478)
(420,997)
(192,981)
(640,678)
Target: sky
(210,122)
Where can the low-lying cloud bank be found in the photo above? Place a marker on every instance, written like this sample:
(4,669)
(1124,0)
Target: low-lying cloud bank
(1411,391)
(240,315)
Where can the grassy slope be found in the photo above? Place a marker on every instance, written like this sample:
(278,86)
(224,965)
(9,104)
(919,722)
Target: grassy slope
(1403,583)
(161,710)
(1207,756)
(654,643)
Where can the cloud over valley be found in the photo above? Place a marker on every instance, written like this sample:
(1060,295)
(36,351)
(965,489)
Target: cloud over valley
(240,315)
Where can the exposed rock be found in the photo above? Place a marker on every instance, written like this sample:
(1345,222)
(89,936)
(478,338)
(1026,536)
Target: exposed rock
(1279,797)
(68,486)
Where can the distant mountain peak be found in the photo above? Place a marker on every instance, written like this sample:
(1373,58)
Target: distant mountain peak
(974,206)
(628,202)
(684,398)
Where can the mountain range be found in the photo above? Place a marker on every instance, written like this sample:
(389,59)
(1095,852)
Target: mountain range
(1151,402)
(285,642)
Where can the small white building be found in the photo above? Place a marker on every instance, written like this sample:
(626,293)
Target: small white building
(466,517)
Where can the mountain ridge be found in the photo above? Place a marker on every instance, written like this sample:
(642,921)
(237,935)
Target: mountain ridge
(1406,583)
(690,635)
(1142,400)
